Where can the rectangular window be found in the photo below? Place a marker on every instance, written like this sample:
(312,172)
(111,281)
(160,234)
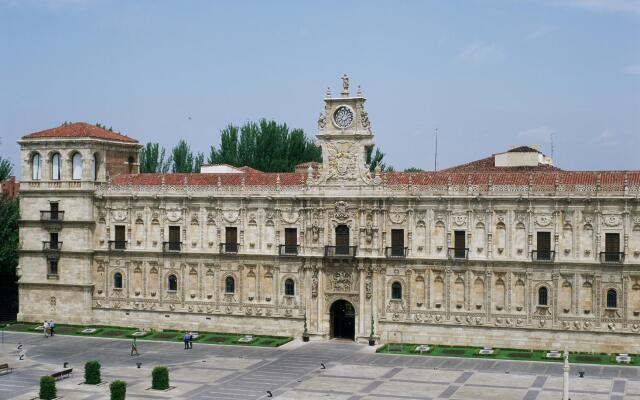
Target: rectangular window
(53,209)
(231,239)
(543,246)
(397,242)
(174,238)
(53,267)
(120,242)
(459,244)
(53,241)
(612,247)
(291,241)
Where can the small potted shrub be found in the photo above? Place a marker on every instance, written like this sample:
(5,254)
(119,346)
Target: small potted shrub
(372,340)
(118,390)
(92,372)
(160,378)
(305,332)
(47,388)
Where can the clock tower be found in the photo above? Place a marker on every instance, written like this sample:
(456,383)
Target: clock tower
(344,134)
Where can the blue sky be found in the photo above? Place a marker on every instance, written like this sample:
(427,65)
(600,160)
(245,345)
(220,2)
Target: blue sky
(488,74)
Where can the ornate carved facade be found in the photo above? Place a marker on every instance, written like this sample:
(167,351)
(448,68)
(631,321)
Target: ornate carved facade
(513,256)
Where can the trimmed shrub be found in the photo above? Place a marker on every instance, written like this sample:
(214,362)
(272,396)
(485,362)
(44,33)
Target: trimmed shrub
(118,390)
(47,388)
(92,372)
(160,378)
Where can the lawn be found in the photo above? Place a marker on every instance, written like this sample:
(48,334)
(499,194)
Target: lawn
(118,332)
(503,354)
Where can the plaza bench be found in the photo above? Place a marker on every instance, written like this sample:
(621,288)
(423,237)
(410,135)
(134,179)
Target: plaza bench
(65,373)
(4,369)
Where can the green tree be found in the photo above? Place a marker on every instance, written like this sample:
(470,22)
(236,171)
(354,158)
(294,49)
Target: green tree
(152,159)
(198,161)
(266,145)
(9,215)
(182,157)
(375,157)
(413,169)
(6,169)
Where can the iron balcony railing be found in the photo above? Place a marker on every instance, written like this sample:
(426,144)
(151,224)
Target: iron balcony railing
(288,249)
(543,255)
(458,253)
(395,252)
(171,246)
(54,216)
(51,246)
(118,245)
(340,251)
(229,248)
(612,257)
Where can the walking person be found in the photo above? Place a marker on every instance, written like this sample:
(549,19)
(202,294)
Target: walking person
(134,348)
(191,340)
(45,328)
(51,326)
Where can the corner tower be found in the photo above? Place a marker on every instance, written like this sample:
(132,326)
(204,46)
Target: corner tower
(61,169)
(344,134)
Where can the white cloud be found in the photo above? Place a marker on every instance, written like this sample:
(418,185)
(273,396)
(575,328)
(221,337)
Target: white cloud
(540,32)
(541,133)
(479,52)
(631,7)
(606,137)
(632,69)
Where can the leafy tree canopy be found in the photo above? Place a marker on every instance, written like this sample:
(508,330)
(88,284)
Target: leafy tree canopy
(9,215)
(152,159)
(375,157)
(183,158)
(266,146)
(6,169)
(413,169)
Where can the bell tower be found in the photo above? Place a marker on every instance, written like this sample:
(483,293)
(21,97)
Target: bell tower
(344,134)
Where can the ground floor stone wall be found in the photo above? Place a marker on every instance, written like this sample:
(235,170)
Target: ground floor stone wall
(534,339)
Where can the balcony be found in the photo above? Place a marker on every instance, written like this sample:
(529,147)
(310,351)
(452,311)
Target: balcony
(51,247)
(543,255)
(340,251)
(288,249)
(229,248)
(171,247)
(395,252)
(611,257)
(117,245)
(456,253)
(51,216)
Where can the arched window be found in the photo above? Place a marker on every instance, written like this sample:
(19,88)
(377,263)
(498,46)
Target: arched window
(396,291)
(94,166)
(612,298)
(55,166)
(289,287)
(542,296)
(130,162)
(229,285)
(76,162)
(117,280)
(36,167)
(173,282)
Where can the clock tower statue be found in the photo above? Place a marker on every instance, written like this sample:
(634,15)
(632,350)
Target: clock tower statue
(344,134)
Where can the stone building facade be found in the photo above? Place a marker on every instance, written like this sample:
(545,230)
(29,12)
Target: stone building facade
(512,254)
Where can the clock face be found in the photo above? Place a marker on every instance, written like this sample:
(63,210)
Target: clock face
(343,117)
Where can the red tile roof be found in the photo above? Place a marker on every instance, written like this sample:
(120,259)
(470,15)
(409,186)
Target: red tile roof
(80,130)
(608,180)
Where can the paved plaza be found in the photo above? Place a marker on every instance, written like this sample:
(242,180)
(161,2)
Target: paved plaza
(293,372)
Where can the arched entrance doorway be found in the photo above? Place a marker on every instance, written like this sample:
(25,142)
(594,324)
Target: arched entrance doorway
(343,320)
